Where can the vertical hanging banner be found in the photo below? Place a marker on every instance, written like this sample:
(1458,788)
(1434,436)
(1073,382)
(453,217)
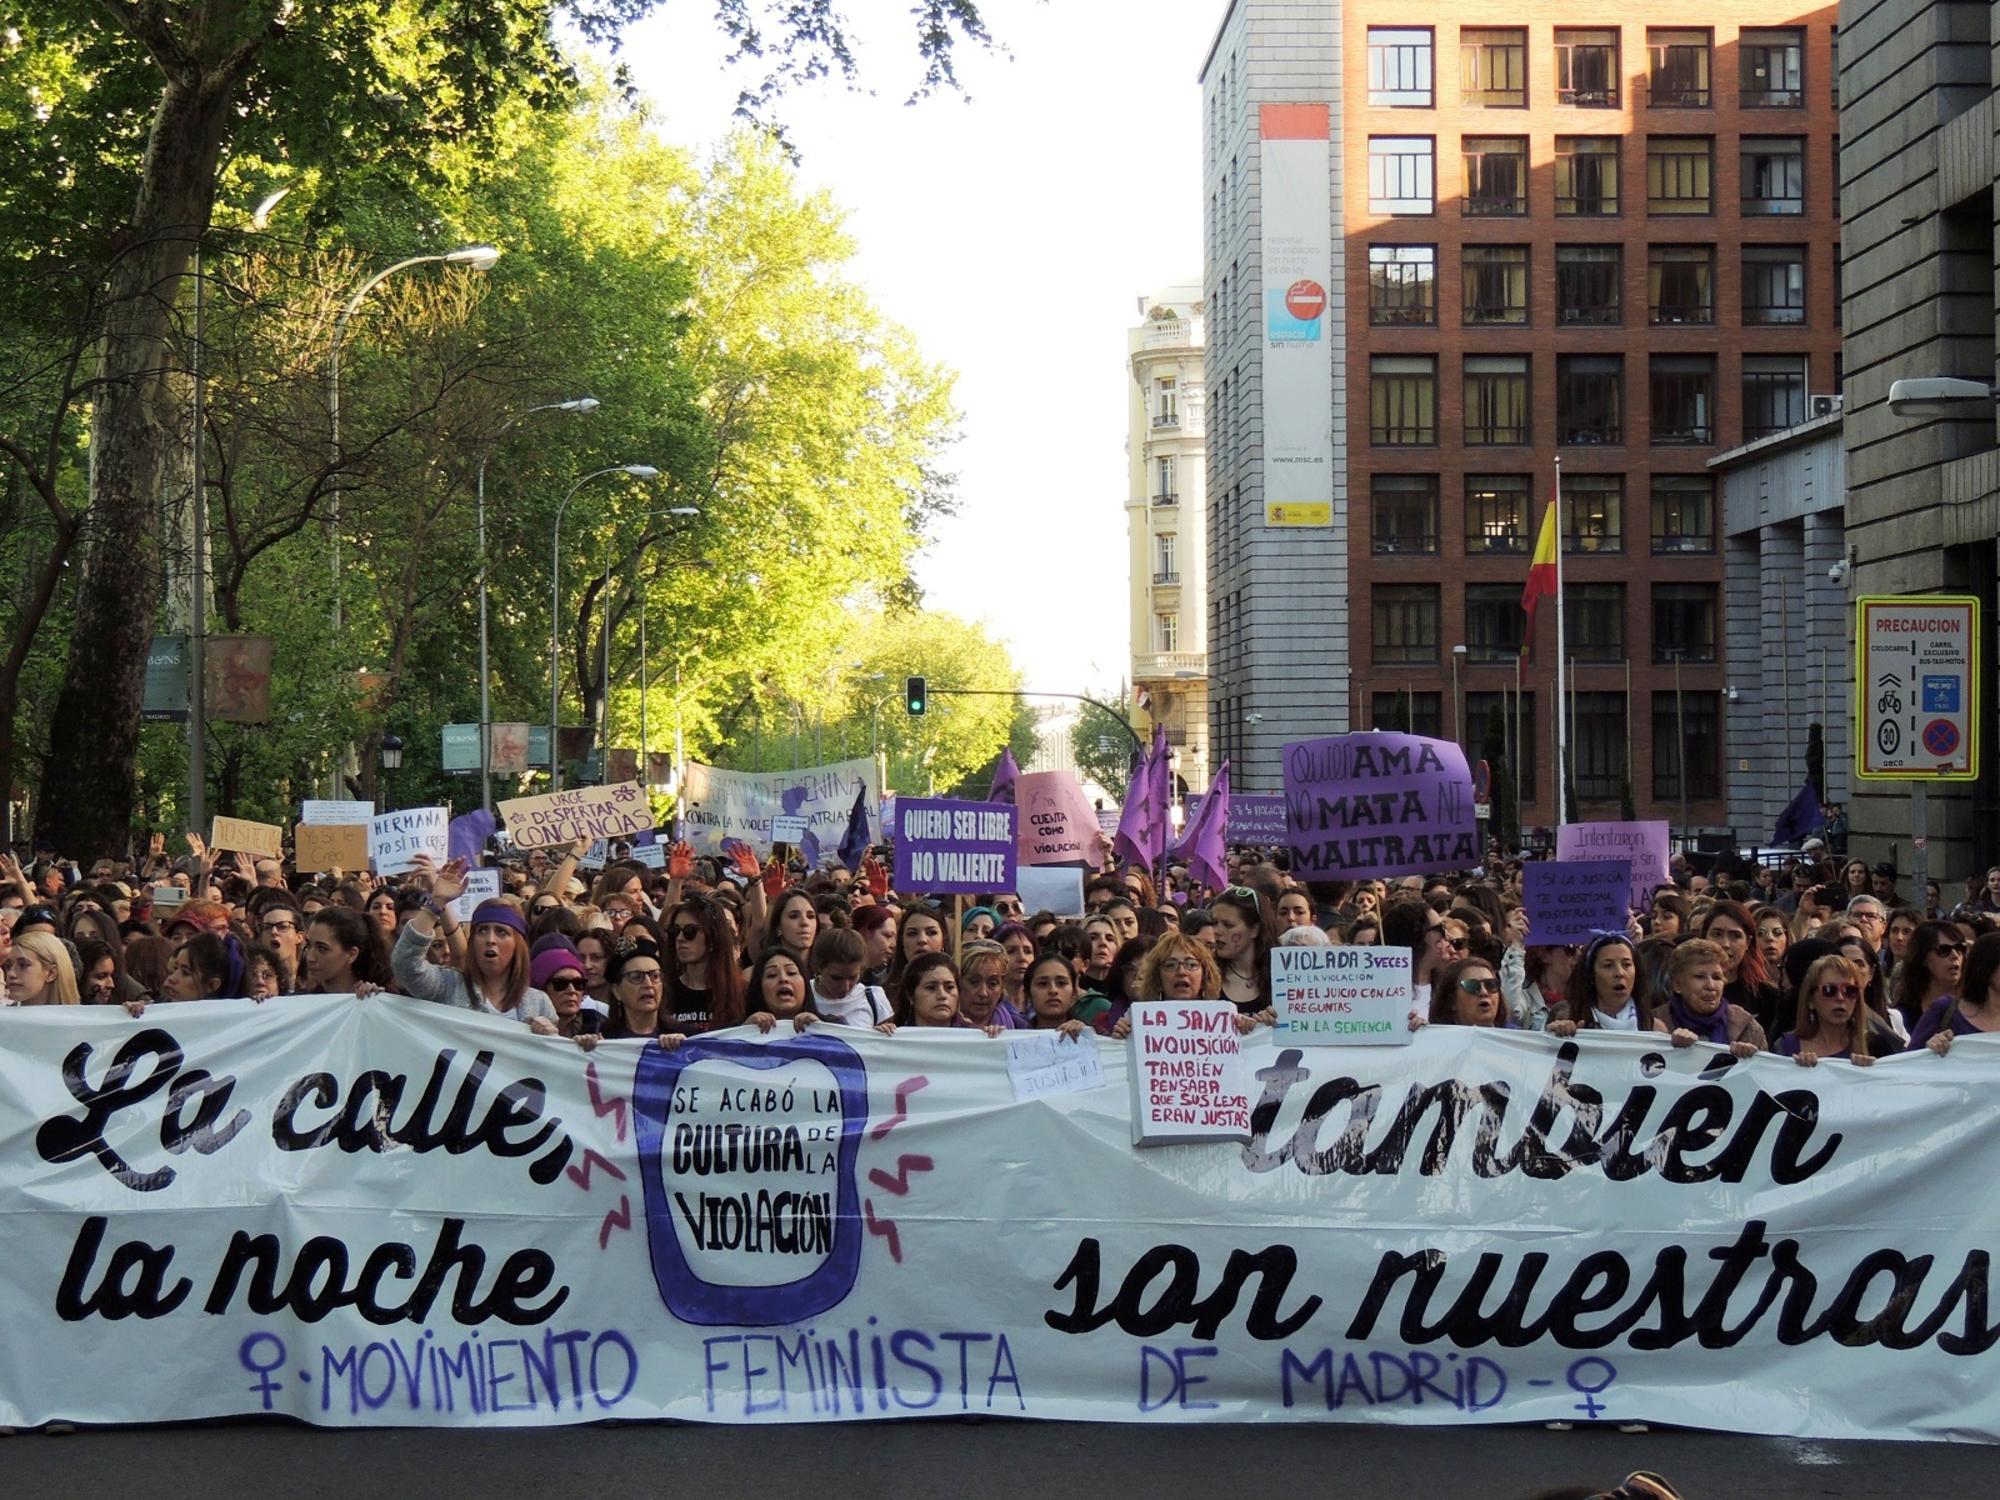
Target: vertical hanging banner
(1296,246)
(1379,803)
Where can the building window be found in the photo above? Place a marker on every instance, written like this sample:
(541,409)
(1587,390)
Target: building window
(1590,402)
(1165,490)
(1494,66)
(1593,514)
(1496,176)
(1402,175)
(1493,621)
(1496,398)
(1589,286)
(1680,174)
(1839,302)
(1586,176)
(1774,393)
(1495,282)
(1406,513)
(1684,622)
(1399,67)
(1167,631)
(1774,283)
(1406,622)
(1402,286)
(1488,712)
(1496,515)
(1680,284)
(1774,65)
(1594,621)
(1402,400)
(1774,174)
(1682,398)
(1409,713)
(1166,403)
(1683,513)
(1678,77)
(1598,754)
(1687,736)
(1587,68)
(1167,571)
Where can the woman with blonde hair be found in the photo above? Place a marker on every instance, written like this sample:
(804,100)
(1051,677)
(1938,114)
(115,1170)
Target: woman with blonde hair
(1832,1016)
(1177,967)
(39,972)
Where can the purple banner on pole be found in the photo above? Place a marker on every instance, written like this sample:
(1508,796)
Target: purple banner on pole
(954,848)
(1573,901)
(1378,803)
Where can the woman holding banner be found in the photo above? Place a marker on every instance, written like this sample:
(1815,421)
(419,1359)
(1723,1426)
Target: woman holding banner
(703,983)
(1832,1020)
(1700,1009)
(779,992)
(638,986)
(494,976)
(1730,927)
(343,951)
(1604,992)
(1933,968)
(982,986)
(1977,1009)
(1467,993)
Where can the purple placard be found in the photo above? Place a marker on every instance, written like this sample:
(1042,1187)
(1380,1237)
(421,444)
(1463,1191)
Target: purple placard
(1573,900)
(954,848)
(1645,845)
(1378,803)
(1253,818)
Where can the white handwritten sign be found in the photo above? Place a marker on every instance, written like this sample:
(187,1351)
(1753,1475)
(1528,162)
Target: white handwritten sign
(789,828)
(479,886)
(346,814)
(1047,1062)
(597,812)
(1343,996)
(395,839)
(1187,1079)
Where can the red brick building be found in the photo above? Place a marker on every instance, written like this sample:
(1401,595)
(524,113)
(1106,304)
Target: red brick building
(1610,243)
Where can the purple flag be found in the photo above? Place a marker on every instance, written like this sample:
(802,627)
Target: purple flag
(1135,826)
(1004,775)
(1203,842)
(1163,796)
(854,842)
(467,835)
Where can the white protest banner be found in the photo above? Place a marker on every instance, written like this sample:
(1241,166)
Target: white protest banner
(479,885)
(1047,1062)
(395,839)
(596,812)
(1051,888)
(343,814)
(1343,996)
(390,1213)
(718,804)
(241,836)
(1186,1072)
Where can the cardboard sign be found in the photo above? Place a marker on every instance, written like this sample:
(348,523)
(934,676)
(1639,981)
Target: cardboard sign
(1188,1081)
(1334,997)
(1040,1063)
(1646,845)
(1378,803)
(479,885)
(1054,889)
(318,847)
(1572,900)
(321,812)
(954,848)
(789,828)
(1058,825)
(395,839)
(241,836)
(597,812)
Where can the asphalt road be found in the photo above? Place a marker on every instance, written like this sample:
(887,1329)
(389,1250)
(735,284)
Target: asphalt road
(939,1460)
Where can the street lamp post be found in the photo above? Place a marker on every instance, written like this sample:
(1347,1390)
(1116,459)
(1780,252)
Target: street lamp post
(580,405)
(637,471)
(392,762)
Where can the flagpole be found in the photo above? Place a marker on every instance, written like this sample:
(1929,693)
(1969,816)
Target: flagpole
(1562,712)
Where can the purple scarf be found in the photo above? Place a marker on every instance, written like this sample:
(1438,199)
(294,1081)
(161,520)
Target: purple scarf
(1710,1028)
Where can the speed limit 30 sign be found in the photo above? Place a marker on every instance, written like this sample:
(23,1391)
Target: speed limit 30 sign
(1917,687)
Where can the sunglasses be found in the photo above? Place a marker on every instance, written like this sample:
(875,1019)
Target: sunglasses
(1949,950)
(1835,991)
(1487,986)
(1457,945)
(686,932)
(564,984)
(1244,893)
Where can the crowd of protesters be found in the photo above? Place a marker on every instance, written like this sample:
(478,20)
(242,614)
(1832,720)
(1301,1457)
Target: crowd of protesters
(1814,960)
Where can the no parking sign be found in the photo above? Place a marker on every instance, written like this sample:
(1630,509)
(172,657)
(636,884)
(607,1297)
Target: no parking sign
(1918,688)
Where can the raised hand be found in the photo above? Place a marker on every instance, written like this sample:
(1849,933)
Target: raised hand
(876,877)
(449,883)
(745,860)
(680,861)
(197,846)
(774,878)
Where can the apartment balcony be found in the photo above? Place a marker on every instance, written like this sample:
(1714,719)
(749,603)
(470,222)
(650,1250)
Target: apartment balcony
(1164,578)
(1173,333)
(1162,502)
(1169,666)
(1166,421)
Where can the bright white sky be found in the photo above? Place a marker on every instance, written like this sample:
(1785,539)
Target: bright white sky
(1012,234)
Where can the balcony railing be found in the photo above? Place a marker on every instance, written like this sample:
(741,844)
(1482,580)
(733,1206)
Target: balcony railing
(1174,333)
(1163,578)
(1166,499)
(1167,665)
(1166,419)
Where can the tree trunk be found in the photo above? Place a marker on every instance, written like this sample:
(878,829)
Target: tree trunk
(136,426)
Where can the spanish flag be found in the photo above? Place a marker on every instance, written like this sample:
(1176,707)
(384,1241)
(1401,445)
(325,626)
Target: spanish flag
(1542,577)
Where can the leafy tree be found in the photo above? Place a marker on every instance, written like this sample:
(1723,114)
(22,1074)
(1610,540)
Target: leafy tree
(1101,743)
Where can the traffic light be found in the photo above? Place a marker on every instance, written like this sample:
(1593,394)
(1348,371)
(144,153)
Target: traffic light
(916,696)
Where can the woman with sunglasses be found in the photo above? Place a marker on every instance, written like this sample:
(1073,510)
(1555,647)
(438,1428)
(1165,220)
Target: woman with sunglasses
(1467,993)
(1977,1007)
(558,973)
(1410,923)
(1698,1005)
(1244,937)
(1933,967)
(1832,1020)
(705,987)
